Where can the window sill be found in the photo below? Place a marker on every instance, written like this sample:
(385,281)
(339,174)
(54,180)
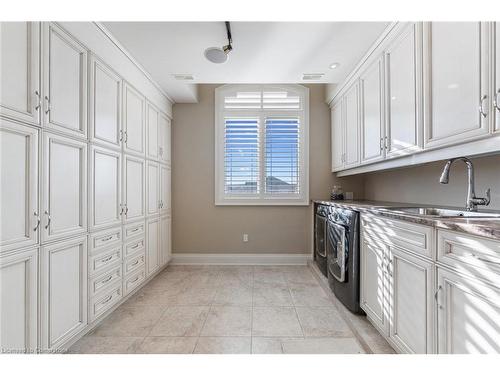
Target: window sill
(262,202)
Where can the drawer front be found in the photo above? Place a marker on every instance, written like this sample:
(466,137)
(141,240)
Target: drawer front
(103,302)
(134,280)
(104,239)
(99,283)
(133,264)
(105,260)
(134,247)
(134,230)
(463,251)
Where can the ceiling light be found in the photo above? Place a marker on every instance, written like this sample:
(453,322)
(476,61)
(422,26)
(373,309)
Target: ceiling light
(183,77)
(334,65)
(312,76)
(219,55)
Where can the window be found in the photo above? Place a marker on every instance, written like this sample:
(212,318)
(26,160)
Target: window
(261,145)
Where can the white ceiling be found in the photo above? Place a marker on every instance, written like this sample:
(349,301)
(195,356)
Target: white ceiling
(263,52)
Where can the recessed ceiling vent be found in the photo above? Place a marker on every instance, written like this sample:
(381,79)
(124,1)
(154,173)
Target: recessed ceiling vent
(184,77)
(312,76)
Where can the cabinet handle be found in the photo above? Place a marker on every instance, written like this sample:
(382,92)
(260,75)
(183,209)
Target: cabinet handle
(126,210)
(381,144)
(48,105)
(136,245)
(121,136)
(161,151)
(107,300)
(49,219)
(39,100)
(135,263)
(37,221)
(133,281)
(107,239)
(496,101)
(126,137)
(107,259)
(121,209)
(135,230)
(481,106)
(436,296)
(108,279)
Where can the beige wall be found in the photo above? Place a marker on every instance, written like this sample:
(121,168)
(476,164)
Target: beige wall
(420,184)
(198,226)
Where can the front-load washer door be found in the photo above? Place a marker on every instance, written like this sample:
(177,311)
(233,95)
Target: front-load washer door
(337,244)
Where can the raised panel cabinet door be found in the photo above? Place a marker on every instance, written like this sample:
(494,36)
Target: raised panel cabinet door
(64,82)
(374,294)
(63,285)
(134,187)
(153,245)
(411,289)
(456,81)
(165,148)
(64,187)
(19,302)
(337,129)
(372,113)
(134,108)
(468,315)
(153,187)
(496,101)
(105,104)
(351,103)
(105,188)
(20,70)
(403,81)
(164,240)
(19,215)
(153,132)
(165,189)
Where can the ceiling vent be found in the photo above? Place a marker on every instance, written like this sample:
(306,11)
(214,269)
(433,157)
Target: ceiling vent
(184,77)
(312,76)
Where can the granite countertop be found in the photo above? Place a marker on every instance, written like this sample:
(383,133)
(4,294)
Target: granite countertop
(484,227)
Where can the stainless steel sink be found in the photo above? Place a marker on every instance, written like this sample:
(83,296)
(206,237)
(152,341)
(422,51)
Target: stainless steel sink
(442,212)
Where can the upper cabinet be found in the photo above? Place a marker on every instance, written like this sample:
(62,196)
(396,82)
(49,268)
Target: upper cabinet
(337,130)
(105,104)
(20,70)
(497,78)
(64,82)
(456,85)
(165,129)
(134,130)
(351,111)
(153,131)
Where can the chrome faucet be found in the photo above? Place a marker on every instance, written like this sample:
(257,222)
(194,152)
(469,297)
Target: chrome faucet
(472,201)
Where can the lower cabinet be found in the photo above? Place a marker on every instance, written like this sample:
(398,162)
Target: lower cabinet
(153,245)
(18,302)
(63,285)
(165,234)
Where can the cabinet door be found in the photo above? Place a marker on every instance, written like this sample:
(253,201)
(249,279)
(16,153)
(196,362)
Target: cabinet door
(153,245)
(372,113)
(153,185)
(164,189)
(403,80)
(468,315)
(456,79)
(374,285)
(64,187)
(337,129)
(351,110)
(134,187)
(63,291)
(165,127)
(497,78)
(165,240)
(19,213)
(105,186)
(105,104)
(19,301)
(411,327)
(65,82)
(19,70)
(153,132)
(133,120)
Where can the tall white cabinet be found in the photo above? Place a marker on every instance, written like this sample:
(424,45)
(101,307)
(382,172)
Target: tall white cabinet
(74,158)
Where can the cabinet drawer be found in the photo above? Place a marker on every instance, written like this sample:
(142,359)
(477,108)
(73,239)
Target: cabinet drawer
(133,264)
(134,280)
(103,302)
(99,283)
(134,247)
(134,230)
(106,238)
(105,259)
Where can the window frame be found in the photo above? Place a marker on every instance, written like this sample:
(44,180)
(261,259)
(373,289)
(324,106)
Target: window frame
(262,198)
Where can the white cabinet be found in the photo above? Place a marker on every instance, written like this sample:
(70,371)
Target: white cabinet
(153,245)
(496,86)
(153,131)
(63,291)
(403,85)
(19,301)
(134,130)
(19,215)
(468,314)
(456,82)
(351,113)
(372,113)
(105,209)
(64,82)
(164,189)
(337,130)
(20,70)
(105,104)
(165,129)
(64,207)
(165,239)
(134,187)
(153,186)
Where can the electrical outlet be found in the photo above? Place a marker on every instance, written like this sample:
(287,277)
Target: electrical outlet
(245,237)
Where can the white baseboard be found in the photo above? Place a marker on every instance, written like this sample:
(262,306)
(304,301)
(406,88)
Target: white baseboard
(241,259)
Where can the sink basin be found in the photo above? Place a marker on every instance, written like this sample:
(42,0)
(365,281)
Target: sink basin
(442,212)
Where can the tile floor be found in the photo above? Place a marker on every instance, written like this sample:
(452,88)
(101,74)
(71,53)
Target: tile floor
(233,309)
